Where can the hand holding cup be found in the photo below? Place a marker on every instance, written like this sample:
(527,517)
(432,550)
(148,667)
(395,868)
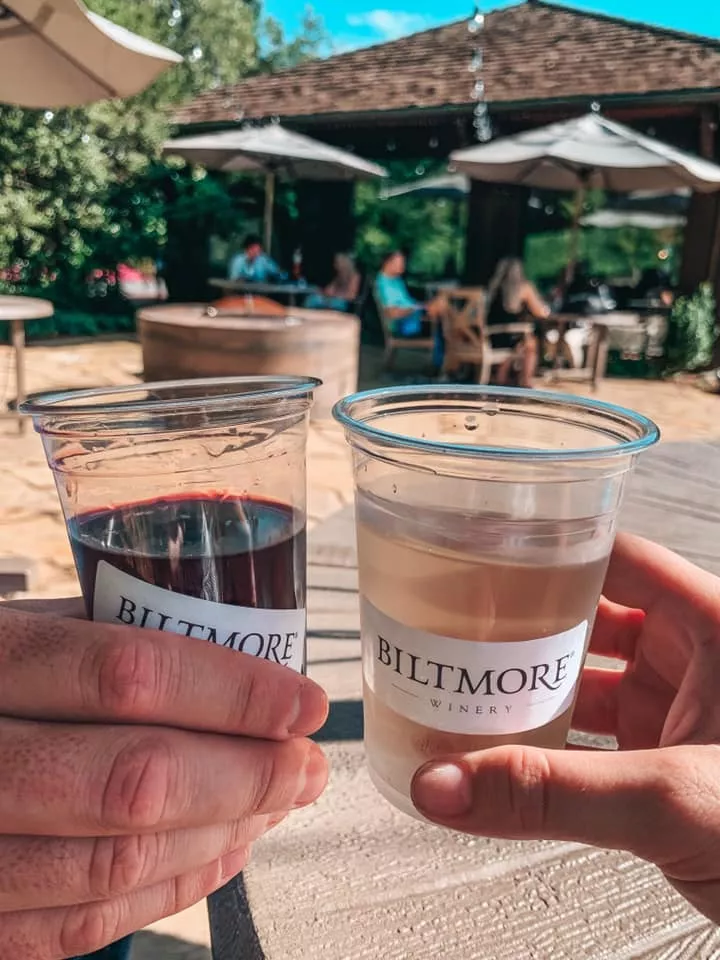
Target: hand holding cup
(659,796)
(137,770)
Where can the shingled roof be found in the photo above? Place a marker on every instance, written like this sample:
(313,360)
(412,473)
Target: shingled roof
(535,51)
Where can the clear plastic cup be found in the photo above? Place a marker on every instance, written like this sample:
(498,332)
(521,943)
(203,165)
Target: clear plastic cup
(485,520)
(185,506)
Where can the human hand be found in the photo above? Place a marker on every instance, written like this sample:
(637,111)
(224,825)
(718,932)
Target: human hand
(659,797)
(136,769)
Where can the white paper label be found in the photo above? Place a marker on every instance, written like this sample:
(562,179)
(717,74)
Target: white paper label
(275,635)
(464,687)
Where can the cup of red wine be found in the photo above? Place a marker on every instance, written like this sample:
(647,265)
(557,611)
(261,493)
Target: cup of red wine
(185,505)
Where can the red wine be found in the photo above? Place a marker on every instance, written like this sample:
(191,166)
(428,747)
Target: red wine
(242,552)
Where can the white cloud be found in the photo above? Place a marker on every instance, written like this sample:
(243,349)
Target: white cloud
(390,24)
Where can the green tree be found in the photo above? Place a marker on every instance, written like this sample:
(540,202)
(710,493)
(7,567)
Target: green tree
(430,230)
(277,52)
(85,188)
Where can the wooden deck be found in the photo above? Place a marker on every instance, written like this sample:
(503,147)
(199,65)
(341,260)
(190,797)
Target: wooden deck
(352,879)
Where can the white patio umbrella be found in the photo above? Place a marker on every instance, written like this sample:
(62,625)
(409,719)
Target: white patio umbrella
(447,186)
(56,53)
(590,152)
(610,219)
(272,150)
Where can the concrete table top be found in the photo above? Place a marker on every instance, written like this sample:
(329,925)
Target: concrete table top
(24,308)
(352,879)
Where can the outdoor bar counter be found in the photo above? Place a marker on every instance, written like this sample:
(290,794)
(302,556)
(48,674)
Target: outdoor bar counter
(187,340)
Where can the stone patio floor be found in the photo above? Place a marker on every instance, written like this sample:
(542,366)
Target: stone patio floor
(31,524)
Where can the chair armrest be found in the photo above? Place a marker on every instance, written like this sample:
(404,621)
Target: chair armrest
(509,328)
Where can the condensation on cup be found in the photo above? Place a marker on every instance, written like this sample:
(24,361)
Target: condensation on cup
(185,506)
(485,521)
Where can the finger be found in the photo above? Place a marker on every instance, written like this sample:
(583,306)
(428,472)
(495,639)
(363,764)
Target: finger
(596,710)
(89,781)
(642,573)
(659,804)
(616,631)
(118,674)
(80,930)
(62,607)
(41,872)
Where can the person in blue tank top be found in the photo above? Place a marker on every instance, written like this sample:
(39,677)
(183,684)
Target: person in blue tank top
(409,317)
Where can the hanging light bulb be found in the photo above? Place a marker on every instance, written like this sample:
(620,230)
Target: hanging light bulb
(481,114)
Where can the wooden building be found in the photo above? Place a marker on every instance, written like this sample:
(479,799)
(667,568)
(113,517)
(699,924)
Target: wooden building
(414,98)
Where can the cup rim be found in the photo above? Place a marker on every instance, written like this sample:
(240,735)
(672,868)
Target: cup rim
(70,403)
(649,431)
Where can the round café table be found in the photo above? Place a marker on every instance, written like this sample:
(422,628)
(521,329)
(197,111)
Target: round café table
(15,311)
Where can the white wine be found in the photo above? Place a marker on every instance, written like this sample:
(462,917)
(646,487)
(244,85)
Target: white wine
(432,608)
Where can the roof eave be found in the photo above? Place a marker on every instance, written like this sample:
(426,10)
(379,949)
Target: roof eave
(673,97)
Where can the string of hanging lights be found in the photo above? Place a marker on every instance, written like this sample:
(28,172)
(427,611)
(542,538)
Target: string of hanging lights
(481,114)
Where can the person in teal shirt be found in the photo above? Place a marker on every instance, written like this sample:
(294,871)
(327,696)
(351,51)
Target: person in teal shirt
(409,318)
(254,265)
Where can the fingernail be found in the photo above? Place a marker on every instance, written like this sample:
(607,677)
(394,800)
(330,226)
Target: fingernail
(309,711)
(314,779)
(442,790)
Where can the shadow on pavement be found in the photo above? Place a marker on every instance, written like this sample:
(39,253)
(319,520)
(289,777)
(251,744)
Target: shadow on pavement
(155,946)
(345,722)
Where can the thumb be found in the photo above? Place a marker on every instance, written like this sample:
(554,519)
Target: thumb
(659,804)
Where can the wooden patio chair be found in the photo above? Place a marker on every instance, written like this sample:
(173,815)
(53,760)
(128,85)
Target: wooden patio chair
(468,340)
(394,342)
(595,363)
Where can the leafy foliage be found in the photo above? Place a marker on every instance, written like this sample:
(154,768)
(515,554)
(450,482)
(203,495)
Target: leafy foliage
(692,333)
(84,189)
(431,231)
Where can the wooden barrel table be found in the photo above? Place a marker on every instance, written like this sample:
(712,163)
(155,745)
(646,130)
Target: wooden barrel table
(185,341)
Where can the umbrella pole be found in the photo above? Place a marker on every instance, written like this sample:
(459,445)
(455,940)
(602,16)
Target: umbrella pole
(269,207)
(574,247)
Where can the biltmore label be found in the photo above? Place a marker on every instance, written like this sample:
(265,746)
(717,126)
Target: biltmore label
(274,635)
(461,686)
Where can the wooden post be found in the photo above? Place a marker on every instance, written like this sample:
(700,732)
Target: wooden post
(496,228)
(708,128)
(326,225)
(17,329)
(701,250)
(269,209)
(574,246)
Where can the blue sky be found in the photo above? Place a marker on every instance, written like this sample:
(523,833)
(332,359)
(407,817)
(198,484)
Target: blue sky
(354,23)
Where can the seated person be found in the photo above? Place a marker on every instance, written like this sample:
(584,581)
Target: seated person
(655,288)
(587,294)
(408,317)
(511,298)
(254,265)
(342,291)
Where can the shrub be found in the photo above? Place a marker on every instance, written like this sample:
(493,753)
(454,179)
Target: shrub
(692,331)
